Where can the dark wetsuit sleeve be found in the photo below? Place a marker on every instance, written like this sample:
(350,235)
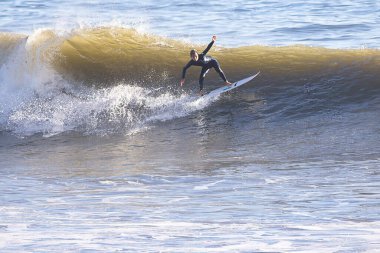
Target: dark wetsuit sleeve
(185,68)
(208,47)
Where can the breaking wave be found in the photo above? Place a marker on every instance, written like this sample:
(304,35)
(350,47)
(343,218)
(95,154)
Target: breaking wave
(106,80)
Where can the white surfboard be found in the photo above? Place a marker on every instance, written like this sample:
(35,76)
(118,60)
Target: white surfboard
(226,88)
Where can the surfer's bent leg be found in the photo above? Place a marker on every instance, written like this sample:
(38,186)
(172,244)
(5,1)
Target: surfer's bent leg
(202,77)
(217,68)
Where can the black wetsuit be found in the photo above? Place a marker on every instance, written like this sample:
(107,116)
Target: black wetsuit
(206,62)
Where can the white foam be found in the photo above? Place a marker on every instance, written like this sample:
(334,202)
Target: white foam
(124,107)
(206,186)
(107,182)
(180,235)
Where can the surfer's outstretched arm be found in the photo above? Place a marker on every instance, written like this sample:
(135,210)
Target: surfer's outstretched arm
(209,45)
(188,65)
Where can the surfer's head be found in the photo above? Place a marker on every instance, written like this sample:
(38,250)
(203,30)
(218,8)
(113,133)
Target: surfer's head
(194,54)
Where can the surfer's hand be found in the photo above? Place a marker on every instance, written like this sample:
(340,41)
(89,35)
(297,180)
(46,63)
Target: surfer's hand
(182,82)
(214,38)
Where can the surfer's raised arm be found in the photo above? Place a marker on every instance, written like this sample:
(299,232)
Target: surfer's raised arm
(209,45)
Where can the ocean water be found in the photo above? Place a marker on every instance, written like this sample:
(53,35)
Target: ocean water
(101,150)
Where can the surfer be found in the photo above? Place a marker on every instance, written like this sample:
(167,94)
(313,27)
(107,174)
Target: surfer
(206,62)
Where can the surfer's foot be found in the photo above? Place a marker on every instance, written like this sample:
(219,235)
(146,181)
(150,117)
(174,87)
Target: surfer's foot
(228,83)
(200,93)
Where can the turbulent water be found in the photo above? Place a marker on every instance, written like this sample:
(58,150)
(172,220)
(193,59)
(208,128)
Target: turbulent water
(102,150)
